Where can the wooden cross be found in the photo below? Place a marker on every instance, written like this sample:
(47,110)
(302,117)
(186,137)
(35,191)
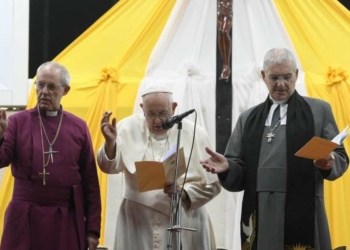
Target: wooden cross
(44,176)
(50,152)
(270,136)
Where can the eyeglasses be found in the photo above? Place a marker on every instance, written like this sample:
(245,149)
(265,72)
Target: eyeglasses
(49,86)
(284,78)
(161,115)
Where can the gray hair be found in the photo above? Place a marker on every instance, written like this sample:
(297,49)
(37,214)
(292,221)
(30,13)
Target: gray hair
(279,56)
(65,77)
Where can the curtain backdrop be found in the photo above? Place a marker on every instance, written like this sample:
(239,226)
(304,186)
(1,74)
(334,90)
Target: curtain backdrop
(175,42)
(184,58)
(106,63)
(320,32)
(7,44)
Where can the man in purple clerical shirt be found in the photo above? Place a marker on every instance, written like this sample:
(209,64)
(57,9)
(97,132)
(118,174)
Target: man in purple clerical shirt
(56,198)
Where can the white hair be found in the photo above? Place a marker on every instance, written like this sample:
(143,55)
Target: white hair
(279,56)
(65,77)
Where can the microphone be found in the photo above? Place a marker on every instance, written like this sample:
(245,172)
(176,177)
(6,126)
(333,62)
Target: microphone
(169,123)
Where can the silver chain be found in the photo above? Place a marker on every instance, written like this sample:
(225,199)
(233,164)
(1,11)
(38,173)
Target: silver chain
(272,129)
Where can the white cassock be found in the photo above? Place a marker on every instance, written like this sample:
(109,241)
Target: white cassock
(143,218)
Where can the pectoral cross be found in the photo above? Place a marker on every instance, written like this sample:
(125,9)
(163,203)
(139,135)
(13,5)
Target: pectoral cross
(44,176)
(270,136)
(50,152)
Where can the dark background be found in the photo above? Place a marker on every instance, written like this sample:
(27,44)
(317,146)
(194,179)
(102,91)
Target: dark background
(54,24)
(346,3)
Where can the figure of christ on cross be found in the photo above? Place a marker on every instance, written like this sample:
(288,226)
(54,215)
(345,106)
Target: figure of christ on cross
(224,23)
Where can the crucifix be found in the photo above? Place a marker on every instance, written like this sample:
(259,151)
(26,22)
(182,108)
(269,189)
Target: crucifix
(270,136)
(50,152)
(44,173)
(224,24)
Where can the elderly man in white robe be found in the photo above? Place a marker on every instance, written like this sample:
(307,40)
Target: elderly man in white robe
(143,217)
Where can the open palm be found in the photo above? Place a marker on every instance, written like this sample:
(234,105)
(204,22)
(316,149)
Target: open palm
(216,163)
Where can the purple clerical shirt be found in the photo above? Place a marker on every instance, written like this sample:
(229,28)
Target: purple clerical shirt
(58,215)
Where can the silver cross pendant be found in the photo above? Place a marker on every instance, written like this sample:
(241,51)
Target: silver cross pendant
(270,136)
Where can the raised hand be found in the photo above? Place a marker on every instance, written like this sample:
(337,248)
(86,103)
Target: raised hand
(216,163)
(3,123)
(108,129)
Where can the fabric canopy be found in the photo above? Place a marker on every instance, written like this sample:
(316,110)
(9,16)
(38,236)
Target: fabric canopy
(106,64)
(175,41)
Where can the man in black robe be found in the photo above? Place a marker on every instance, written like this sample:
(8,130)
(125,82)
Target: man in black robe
(283,203)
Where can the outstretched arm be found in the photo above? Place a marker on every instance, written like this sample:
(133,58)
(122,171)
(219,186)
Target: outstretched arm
(216,163)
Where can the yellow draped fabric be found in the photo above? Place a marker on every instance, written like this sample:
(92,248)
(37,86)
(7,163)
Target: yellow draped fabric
(5,196)
(107,63)
(320,32)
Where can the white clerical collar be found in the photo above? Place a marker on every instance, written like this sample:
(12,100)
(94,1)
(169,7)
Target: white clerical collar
(51,113)
(283,112)
(278,102)
(159,137)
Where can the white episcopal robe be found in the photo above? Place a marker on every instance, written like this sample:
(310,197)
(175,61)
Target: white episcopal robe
(144,217)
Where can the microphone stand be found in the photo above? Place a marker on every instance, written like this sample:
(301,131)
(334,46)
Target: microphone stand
(176,202)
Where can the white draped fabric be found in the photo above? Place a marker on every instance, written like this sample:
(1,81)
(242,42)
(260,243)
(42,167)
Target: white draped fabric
(185,58)
(6,44)
(14,47)
(257,27)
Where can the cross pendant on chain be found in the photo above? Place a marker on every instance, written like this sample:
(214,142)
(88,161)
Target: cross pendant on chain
(50,152)
(44,173)
(270,136)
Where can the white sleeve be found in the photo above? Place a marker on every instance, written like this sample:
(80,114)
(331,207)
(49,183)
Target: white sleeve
(109,166)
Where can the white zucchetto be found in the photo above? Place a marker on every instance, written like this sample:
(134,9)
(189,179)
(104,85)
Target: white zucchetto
(149,85)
